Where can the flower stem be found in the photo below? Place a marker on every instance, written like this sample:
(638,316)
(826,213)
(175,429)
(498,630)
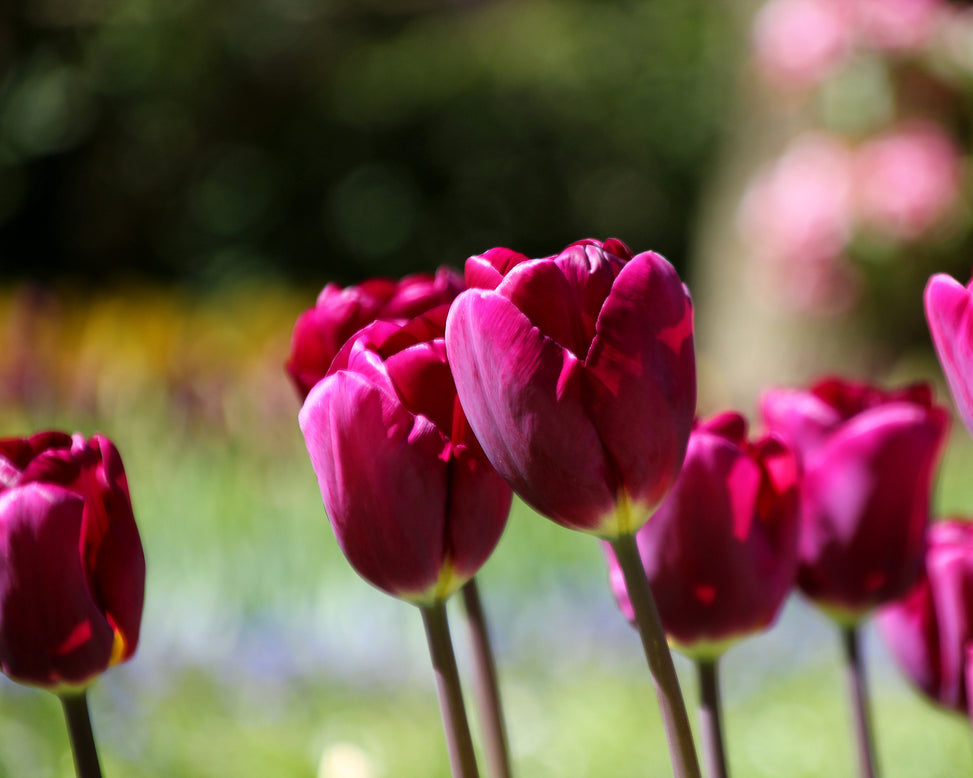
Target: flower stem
(711,718)
(79,731)
(462,760)
(486,687)
(857,688)
(682,752)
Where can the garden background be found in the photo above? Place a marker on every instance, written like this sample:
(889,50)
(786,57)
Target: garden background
(179,179)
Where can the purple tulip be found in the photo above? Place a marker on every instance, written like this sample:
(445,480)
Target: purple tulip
(930,629)
(721,551)
(578,376)
(868,457)
(413,502)
(949,311)
(339,313)
(72,571)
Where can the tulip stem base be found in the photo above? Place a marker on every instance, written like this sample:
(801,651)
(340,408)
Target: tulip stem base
(82,738)
(858,691)
(682,751)
(711,718)
(486,686)
(462,760)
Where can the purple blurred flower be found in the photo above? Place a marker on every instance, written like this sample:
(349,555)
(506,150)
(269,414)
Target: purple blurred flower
(578,375)
(721,551)
(869,457)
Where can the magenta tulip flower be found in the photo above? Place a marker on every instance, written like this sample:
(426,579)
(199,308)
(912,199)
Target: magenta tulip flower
(721,550)
(949,312)
(869,457)
(72,571)
(414,503)
(578,376)
(930,629)
(339,313)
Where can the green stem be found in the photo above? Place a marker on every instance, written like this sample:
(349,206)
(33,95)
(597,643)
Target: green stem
(858,691)
(462,760)
(486,687)
(82,739)
(711,718)
(682,752)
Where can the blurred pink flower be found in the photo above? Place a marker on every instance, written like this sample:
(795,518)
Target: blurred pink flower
(896,24)
(797,43)
(796,219)
(907,179)
(800,206)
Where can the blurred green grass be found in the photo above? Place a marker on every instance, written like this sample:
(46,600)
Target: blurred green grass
(263,654)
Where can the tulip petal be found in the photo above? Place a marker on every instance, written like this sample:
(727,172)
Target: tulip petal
(51,629)
(803,418)
(479,503)
(382,480)
(950,317)
(866,499)
(110,545)
(521,393)
(717,575)
(640,378)
(908,626)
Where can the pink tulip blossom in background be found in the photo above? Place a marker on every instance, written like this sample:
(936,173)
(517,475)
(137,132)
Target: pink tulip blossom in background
(949,313)
(796,220)
(929,630)
(907,179)
(869,457)
(578,375)
(340,312)
(896,25)
(414,503)
(720,553)
(798,43)
(72,571)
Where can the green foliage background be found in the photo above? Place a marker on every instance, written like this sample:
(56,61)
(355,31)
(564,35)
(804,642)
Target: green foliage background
(200,140)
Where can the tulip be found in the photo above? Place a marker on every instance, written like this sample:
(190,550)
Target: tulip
(869,457)
(578,377)
(339,313)
(929,630)
(72,571)
(720,552)
(950,317)
(414,503)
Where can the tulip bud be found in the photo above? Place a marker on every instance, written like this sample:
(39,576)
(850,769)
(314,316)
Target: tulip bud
(868,457)
(720,553)
(930,629)
(72,571)
(413,502)
(577,374)
(339,313)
